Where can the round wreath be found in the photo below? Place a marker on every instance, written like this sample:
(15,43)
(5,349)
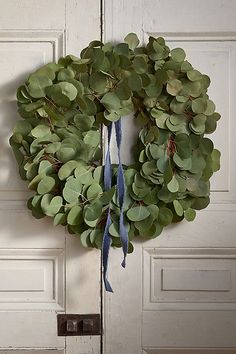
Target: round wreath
(58,144)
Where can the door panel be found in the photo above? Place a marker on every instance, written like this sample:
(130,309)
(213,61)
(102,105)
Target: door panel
(34,48)
(43,271)
(177,294)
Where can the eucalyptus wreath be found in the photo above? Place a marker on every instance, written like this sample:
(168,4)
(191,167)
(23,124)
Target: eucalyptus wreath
(58,144)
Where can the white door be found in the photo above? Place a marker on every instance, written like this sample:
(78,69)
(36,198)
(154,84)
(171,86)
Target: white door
(42,271)
(178,292)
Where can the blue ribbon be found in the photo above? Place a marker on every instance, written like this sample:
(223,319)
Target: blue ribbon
(106,237)
(121,196)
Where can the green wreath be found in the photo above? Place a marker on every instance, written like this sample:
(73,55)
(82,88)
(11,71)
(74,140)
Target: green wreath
(58,143)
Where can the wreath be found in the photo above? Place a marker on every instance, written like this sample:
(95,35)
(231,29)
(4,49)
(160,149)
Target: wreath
(58,144)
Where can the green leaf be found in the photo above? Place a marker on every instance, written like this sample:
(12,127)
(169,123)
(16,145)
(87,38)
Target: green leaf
(98,174)
(66,152)
(107,196)
(62,93)
(98,82)
(22,127)
(51,205)
(93,211)
(138,213)
(68,90)
(160,117)
(190,214)
(84,174)
(45,167)
(140,64)
(37,85)
(67,169)
(215,155)
(114,230)
(135,82)
(74,216)
(85,238)
(92,138)
(183,164)
(200,203)
(65,74)
(194,75)
(173,87)
(60,219)
(210,125)
(199,105)
(94,191)
(210,108)
(110,101)
(40,131)
(206,146)
(173,185)
(72,190)
(122,49)
(46,184)
(178,55)
(165,216)
(178,208)
(52,148)
(162,163)
(96,237)
(132,40)
(149,167)
(123,91)
(186,66)
(111,116)
(84,122)
(183,145)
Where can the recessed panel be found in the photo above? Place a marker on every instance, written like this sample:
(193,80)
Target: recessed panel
(22,276)
(34,331)
(31,279)
(189,329)
(216,59)
(19,56)
(189,279)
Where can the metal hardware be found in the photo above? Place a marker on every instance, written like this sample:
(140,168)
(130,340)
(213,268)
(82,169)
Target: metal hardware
(88,325)
(71,326)
(78,325)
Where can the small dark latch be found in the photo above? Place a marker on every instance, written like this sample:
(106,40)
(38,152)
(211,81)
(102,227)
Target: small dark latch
(78,325)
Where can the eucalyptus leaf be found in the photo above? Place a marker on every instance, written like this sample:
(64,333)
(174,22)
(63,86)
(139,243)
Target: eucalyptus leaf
(132,40)
(74,216)
(51,205)
(67,169)
(46,184)
(71,190)
(138,213)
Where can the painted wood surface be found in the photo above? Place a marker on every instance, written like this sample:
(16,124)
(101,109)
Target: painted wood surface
(177,294)
(43,271)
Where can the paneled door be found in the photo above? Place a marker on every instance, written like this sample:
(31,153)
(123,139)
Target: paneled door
(178,292)
(42,271)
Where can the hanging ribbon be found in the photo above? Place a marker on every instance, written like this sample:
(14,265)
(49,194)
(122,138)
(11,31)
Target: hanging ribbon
(121,196)
(106,237)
